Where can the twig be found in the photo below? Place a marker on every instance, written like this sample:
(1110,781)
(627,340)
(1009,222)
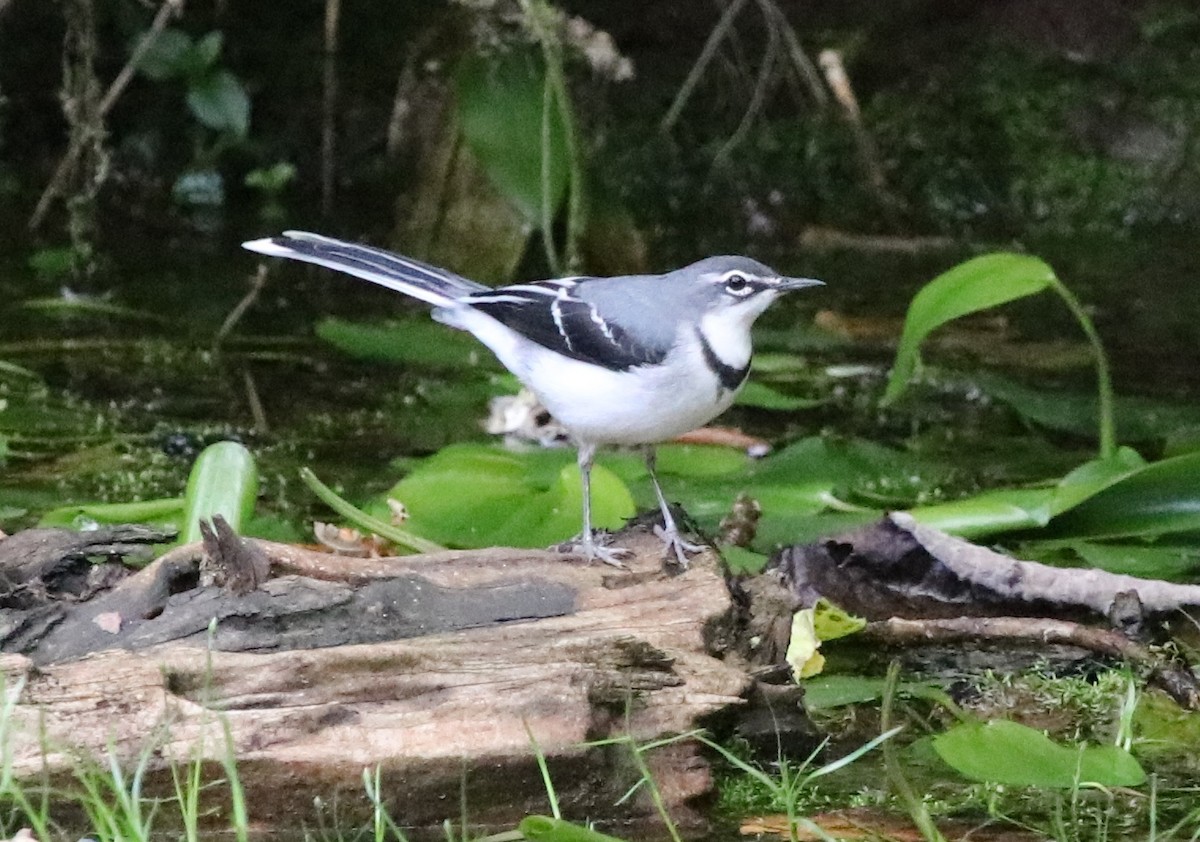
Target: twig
(333,12)
(1039,631)
(702,61)
(761,85)
(804,66)
(255,402)
(817,238)
(239,309)
(67,164)
(868,157)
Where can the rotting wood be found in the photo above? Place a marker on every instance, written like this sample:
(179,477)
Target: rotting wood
(611,653)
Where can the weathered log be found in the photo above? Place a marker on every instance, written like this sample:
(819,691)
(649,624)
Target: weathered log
(423,666)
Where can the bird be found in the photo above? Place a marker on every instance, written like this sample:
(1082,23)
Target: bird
(631,360)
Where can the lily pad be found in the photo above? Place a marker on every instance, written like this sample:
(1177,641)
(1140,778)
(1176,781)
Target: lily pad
(1009,753)
(473,495)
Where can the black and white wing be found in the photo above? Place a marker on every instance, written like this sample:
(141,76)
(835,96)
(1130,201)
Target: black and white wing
(403,274)
(549,314)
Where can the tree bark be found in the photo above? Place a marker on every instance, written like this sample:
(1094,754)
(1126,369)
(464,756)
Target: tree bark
(435,669)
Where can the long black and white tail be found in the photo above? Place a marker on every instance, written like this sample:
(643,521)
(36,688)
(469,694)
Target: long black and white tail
(388,269)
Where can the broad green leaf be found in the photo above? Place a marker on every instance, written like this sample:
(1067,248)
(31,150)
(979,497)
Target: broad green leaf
(223,481)
(477,496)
(742,561)
(546,829)
(978,284)
(1012,754)
(824,692)
(220,102)
(761,396)
(696,460)
(989,513)
(166,55)
(783,527)
(1138,419)
(832,691)
(167,512)
(1161,498)
(1016,509)
(500,107)
(1092,477)
(1171,563)
(417,341)
(208,50)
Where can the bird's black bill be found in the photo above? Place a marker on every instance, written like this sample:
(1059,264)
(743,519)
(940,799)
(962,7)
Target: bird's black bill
(789,284)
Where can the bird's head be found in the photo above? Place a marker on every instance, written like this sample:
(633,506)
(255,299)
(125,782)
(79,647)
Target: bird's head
(736,290)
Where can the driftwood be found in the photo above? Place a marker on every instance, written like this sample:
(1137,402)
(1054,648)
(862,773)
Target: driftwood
(436,669)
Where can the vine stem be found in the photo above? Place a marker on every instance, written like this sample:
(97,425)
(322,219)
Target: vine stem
(1104,388)
(537,14)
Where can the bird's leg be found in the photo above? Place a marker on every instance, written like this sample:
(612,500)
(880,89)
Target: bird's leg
(587,542)
(668,532)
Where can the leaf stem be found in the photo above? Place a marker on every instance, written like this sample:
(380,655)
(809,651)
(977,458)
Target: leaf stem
(539,15)
(1104,388)
(360,518)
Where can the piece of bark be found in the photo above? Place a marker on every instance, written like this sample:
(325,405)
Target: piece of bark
(237,564)
(592,653)
(898,568)
(36,565)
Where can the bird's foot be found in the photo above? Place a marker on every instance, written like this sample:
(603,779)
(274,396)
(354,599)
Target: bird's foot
(676,546)
(588,547)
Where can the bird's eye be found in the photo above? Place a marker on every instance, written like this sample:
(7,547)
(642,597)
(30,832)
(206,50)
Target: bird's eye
(737,284)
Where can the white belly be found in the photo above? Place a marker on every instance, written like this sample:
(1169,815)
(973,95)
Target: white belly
(640,406)
(599,406)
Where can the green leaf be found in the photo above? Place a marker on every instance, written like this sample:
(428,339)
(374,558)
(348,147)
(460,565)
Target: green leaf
(167,54)
(1171,563)
(477,496)
(1090,478)
(546,829)
(220,102)
(1138,419)
(166,512)
(500,108)
(418,342)
(978,284)
(698,460)
(1012,754)
(1161,498)
(807,489)
(207,50)
(223,481)
(824,692)
(742,561)
(1002,510)
(761,396)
